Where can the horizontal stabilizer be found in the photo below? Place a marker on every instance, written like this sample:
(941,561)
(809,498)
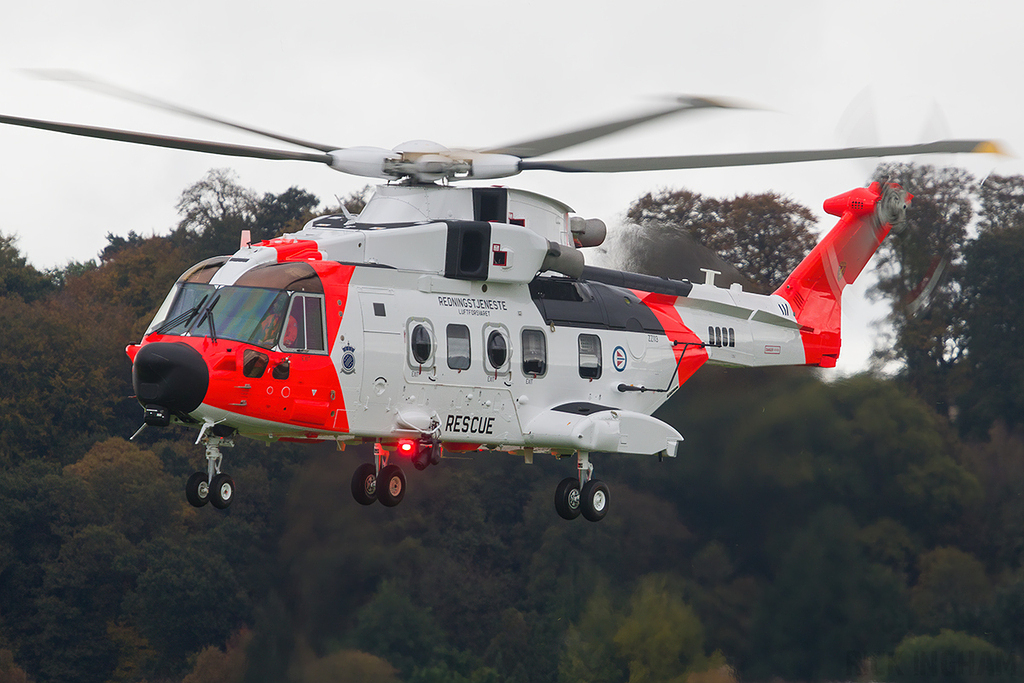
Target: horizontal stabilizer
(589,427)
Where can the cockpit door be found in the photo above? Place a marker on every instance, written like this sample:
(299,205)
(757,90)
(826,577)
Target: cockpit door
(382,346)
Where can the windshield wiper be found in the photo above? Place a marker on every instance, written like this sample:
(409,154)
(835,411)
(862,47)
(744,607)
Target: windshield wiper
(183,319)
(208,315)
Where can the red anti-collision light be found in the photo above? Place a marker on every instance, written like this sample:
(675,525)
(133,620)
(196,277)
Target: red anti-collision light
(407,447)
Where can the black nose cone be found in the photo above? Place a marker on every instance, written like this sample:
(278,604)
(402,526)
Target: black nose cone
(172,375)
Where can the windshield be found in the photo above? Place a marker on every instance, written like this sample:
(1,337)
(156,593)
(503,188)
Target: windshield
(189,299)
(253,315)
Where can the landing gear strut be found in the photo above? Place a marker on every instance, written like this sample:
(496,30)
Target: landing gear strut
(582,494)
(378,481)
(212,486)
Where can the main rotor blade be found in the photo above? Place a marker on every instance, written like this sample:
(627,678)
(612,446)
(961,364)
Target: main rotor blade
(87,82)
(190,144)
(625,165)
(553,143)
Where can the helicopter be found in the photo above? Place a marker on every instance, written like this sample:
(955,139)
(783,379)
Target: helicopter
(448,318)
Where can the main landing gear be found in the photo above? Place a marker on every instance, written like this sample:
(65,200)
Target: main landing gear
(379,481)
(582,494)
(211,486)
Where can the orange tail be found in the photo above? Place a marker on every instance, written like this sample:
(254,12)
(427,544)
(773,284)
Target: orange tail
(815,288)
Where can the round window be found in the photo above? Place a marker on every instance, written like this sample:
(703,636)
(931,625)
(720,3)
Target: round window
(421,344)
(497,349)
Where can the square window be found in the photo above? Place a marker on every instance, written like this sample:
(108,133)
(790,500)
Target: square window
(590,356)
(535,353)
(458,347)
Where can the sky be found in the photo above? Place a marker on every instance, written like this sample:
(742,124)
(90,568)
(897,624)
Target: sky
(477,74)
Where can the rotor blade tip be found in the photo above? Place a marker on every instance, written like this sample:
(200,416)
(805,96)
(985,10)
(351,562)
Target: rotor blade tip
(990,147)
(53,74)
(715,102)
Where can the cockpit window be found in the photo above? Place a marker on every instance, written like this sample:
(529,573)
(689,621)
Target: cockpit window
(294,277)
(304,330)
(274,306)
(249,314)
(188,301)
(253,315)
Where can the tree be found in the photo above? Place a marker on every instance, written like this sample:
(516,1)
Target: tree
(771,235)
(951,657)
(187,598)
(827,608)
(348,665)
(952,591)
(59,359)
(227,665)
(764,236)
(17,277)
(9,671)
(81,595)
(927,338)
(1005,621)
(393,628)
(802,444)
(285,212)
(215,210)
(132,492)
(661,639)
(590,655)
(993,288)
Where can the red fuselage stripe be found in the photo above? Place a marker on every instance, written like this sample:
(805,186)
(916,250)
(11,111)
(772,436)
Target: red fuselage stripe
(689,350)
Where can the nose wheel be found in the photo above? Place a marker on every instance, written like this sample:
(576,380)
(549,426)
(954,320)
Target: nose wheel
(582,494)
(212,486)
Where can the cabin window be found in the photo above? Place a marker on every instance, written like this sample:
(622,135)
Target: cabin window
(420,335)
(458,347)
(497,349)
(421,344)
(590,356)
(304,326)
(535,353)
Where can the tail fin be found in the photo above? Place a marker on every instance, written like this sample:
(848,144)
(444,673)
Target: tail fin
(814,289)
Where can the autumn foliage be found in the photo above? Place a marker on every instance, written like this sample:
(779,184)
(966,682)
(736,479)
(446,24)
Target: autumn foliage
(810,530)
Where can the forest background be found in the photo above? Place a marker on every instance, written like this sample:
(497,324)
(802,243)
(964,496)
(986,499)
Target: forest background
(870,527)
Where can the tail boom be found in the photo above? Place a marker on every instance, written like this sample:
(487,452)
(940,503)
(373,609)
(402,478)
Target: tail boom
(814,289)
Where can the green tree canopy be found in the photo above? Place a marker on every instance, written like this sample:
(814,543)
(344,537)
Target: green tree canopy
(764,236)
(17,277)
(993,286)
(926,257)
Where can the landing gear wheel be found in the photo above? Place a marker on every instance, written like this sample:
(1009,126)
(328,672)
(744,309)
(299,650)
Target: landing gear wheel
(364,484)
(567,498)
(594,500)
(391,486)
(222,490)
(197,490)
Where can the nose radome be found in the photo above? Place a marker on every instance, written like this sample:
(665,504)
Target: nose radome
(170,374)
